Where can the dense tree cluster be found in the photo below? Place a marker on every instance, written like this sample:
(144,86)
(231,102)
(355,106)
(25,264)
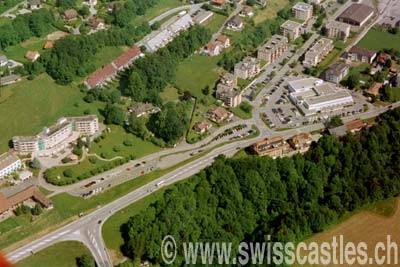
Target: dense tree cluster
(248,198)
(123,16)
(23,27)
(151,74)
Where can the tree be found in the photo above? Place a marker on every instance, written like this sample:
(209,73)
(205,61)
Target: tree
(246,107)
(334,121)
(206,90)
(84,11)
(68,173)
(113,115)
(353,80)
(85,261)
(379,77)
(35,164)
(135,87)
(155,26)
(37,209)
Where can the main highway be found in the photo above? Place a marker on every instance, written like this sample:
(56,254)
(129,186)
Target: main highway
(88,229)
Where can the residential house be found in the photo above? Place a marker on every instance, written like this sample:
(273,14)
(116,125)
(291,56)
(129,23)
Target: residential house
(9,163)
(337,30)
(223,40)
(213,49)
(217,3)
(219,114)
(70,14)
(336,72)
(291,29)
(302,11)
(235,23)
(34,4)
(228,92)
(32,55)
(273,49)
(318,52)
(355,126)
(143,109)
(274,147)
(249,67)
(361,55)
(202,127)
(3,61)
(96,24)
(374,89)
(31,192)
(48,45)
(247,11)
(300,142)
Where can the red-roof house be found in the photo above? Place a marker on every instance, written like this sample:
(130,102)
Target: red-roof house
(224,41)
(213,49)
(127,58)
(101,76)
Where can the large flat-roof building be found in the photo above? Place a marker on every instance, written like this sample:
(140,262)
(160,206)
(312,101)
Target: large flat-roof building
(9,163)
(273,49)
(58,134)
(337,30)
(356,14)
(318,52)
(312,96)
(302,11)
(291,29)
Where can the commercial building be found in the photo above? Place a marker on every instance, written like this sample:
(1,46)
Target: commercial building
(57,135)
(273,49)
(291,29)
(356,14)
(361,55)
(168,32)
(9,163)
(337,30)
(336,72)
(32,192)
(312,96)
(302,11)
(249,67)
(228,92)
(274,147)
(318,52)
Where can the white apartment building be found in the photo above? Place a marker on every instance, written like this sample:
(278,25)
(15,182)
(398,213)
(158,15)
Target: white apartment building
(249,67)
(58,134)
(273,49)
(291,29)
(9,163)
(302,11)
(228,92)
(337,30)
(318,52)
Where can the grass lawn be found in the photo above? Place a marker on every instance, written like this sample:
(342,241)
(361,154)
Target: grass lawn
(116,138)
(328,60)
(196,72)
(241,113)
(377,40)
(17,52)
(269,12)
(38,103)
(170,94)
(62,254)
(107,54)
(215,22)
(6,5)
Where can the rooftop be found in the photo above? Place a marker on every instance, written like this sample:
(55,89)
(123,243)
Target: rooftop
(30,192)
(362,51)
(6,159)
(304,83)
(291,25)
(126,57)
(302,6)
(357,12)
(100,75)
(337,68)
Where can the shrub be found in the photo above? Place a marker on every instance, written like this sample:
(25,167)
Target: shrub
(128,143)
(68,173)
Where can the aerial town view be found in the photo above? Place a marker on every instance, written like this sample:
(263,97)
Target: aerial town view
(199,133)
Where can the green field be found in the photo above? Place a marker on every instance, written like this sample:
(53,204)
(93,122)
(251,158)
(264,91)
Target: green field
(215,22)
(38,103)
(377,40)
(269,12)
(107,54)
(62,254)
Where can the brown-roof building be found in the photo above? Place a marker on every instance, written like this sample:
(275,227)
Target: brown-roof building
(355,126)
(361,55)
(235,23)
(301,142)
(223,40)
(127,58)
(32,192)
(48,45)
(32,55)
(219,114)
(96,23)
(374,89)
(70,14)
(356,14)
(202,126)
(101,76)
(273,147)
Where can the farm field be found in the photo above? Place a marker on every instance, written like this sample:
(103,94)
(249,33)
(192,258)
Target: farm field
(371,225)
(377,40)
(39,111)
(62,254)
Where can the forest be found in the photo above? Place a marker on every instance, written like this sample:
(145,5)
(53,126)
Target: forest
(248,198)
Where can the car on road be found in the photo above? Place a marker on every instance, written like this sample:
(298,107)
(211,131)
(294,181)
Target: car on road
(99,222)
(137,165)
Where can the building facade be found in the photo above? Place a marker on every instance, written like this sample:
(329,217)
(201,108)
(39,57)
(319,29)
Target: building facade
(9,163)
(302,11)
(336,72)
(274,147)
(291,29)
(318,52)
(249,67)
(273,49)
(337,30)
